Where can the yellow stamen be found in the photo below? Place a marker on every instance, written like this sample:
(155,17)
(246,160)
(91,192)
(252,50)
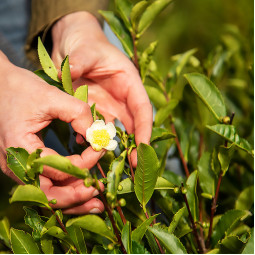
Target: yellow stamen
(101,137)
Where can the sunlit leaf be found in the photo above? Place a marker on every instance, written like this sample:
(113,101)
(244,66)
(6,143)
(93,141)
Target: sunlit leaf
(94,224)
(191,185)
(77,237)
(225,156)
(136,13)
(171,243)
(115,173)
(31,194)
(208,93)
(117,27)
(139,232)
(126,237)
(246,199)
(127,185)
(46,62)
(82,93)
(231,245)
(227,220)
(33,220)
(249,248)
(124,8)
(63,164)
(164,112)
(229,133)
(5,230)
(17,162)
(66,76)
(207,178)
(146,173)
(159,134)
(156,96)
(175,221)
(23,243)
(47,245)
(150,13)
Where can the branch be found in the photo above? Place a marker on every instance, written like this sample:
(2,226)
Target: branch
(131,167)
(193,225)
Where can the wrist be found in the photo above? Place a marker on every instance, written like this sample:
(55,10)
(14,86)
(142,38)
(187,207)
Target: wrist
(75,23)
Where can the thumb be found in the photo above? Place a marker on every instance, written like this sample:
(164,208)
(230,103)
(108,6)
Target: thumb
(69,109)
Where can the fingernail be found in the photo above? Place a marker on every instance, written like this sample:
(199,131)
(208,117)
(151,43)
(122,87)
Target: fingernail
(95,193)
(95,210)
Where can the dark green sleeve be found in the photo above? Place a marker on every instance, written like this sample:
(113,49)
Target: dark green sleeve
(44,13)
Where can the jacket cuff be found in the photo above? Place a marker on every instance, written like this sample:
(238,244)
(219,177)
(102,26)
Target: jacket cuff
(44,13)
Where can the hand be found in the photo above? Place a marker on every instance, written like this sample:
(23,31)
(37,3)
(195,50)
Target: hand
(114,82)
(28,104)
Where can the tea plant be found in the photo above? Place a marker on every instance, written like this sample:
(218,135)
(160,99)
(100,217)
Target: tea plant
(206,208)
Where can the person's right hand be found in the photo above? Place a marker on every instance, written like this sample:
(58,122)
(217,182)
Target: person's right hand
(27,105)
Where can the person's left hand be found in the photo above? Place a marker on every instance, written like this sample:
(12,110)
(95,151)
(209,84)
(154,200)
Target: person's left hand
(114,82)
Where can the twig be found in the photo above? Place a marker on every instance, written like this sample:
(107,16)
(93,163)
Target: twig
(213,209)
(121,214)
(108,209)
(135,58)
(193,225)
(62,226)
(180,150)
(101,170)
(131,167)
(157,241)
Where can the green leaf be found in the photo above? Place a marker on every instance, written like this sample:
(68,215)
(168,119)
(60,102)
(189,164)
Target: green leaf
(161,184)
(138,248)
(63,164)
(146,173)
(46,62)
(98,249)
(225,222)
(164,112)
(207,178)
(156,96)
(29,193)
(140,231)
(126,237)
(229,133)
(150,14)
(5,230)
(47,78)
(152,243)
(94,224)
(33,220)
(77,237)
(47,245)
(58,233)
(66,76)
(23,243)
(93,112)
(175,220)
(171,243)
(231,245)
(246,199)
(17,162)
(136,13)
(115,173)
(249,248)
(208,93)
(33,170)
(159,134)
(225,156)
(124,8)
(119,30)
(82,93)
(191,184)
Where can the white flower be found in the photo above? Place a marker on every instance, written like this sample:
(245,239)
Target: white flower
(100,136)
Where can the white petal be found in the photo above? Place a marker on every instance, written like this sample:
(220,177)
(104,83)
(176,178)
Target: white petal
(112,145)
(111,129)
(96,147)
(98,124)
(89,134)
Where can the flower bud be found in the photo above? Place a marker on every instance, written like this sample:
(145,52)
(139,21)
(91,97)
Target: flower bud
(88,182)
(176,190)
(120,187)
(110,246)
(226,120)
(184,190)
(110,196)
(53,201)
(122,202)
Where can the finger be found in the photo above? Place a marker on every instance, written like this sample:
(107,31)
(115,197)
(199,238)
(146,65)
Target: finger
(68,195)
(94,206)
(69,109)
